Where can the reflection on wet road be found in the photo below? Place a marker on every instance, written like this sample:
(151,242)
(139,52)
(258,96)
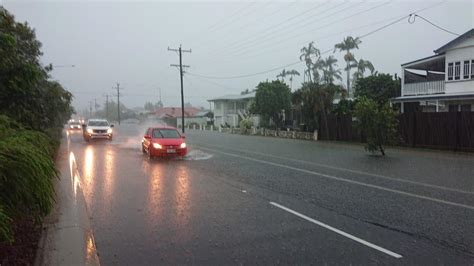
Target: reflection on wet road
(214,208)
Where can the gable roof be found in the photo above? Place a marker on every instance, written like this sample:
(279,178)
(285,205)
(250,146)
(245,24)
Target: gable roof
(466,35)
(234,97)
(173,112)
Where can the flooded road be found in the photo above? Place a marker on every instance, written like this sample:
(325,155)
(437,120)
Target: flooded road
(245,200)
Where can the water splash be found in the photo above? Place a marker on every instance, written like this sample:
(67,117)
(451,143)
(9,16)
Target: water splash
(197,155)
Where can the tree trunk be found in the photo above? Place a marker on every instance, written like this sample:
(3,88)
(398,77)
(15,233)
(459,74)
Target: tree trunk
(382,150)
(348,79)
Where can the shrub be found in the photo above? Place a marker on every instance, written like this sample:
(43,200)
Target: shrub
(245,125)
(377,122)
(26,175)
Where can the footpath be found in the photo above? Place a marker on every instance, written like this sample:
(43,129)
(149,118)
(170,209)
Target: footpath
(67,237)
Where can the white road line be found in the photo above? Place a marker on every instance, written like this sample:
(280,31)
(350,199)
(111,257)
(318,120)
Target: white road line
(337,231)
(350,170)
(345,180)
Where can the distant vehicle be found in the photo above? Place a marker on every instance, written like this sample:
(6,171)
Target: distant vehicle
(97,129)
(74,125)
(163,141)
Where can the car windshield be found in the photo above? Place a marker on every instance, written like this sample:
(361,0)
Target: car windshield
(166,134)
(74,123)
(98,123)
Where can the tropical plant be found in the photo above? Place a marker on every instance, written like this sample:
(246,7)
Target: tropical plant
(377,122)
(361,66)
(349,43)
(380,87)
(306,54)
(282,75)
(330,71)
(271,99)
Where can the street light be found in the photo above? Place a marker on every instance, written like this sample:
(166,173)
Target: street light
(60,66)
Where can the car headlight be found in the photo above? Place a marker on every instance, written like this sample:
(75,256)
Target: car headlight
(90,131)
(156,146)
(183,145)
(109,130)
(71,126)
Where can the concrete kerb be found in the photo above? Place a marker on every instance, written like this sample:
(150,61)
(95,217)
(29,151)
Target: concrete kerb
(67,237)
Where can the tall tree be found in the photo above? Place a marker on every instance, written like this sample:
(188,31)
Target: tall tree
(292,73)
(306,54)
(349,43)
(330,71)
(282,75)
(361,66)
(271,99)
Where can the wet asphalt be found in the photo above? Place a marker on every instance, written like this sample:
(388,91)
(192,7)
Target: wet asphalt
(260,200)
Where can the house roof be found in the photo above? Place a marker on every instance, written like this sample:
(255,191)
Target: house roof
(428,63)
(460,38)
(173,112)
(234,97)
(450,96)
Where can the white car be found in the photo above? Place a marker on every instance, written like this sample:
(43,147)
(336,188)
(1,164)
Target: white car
(97,129)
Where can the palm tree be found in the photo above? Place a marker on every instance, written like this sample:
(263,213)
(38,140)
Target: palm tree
(330,70)
(348,44)
(306,53)
(292,73)
(362,65)
(282,75)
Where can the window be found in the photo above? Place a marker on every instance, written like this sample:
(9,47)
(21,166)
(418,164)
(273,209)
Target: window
(166,134)
(450,71)
(453,107)
(466,70)
(457,70)
(472,69)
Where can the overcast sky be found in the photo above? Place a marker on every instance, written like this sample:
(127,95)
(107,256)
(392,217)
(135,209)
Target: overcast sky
(126,42)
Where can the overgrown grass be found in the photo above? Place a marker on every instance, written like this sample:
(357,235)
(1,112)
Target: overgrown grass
(26,174)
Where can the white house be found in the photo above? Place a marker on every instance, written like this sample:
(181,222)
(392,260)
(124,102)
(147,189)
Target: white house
(203,117)
(443,82)
(231,109)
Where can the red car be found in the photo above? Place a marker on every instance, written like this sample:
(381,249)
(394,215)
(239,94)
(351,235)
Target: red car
(163,141)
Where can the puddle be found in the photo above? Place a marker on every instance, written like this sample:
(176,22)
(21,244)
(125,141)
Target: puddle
(196,155)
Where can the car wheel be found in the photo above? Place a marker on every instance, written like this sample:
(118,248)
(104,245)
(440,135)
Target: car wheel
(143,149)
(110,138)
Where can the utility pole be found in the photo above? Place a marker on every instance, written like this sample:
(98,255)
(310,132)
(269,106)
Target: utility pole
(95,106)
(180,52)
(90,109)
(106,106)
(118,100)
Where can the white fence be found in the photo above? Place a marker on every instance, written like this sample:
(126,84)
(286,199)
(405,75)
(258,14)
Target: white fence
(261,132)
(423,88)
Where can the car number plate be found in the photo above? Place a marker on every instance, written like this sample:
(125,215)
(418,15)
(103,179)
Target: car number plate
(171,151)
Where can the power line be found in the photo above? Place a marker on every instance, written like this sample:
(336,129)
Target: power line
(247,49)
(274,28)
(414,16)
(261,17)
(298,62)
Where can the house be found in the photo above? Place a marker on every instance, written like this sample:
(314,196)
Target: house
(443,82)
(203,117)
(231,109)
(170,114)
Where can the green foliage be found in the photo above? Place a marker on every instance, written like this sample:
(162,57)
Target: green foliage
(245,125)
(344,107)
(377,122)
(380,88)
(315,101)
(26,174)
(270,99)
(27,95)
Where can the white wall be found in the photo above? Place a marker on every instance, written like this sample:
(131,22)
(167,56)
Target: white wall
(461,52)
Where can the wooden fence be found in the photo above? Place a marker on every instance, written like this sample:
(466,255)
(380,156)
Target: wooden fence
(454,130)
